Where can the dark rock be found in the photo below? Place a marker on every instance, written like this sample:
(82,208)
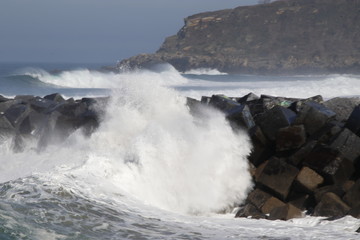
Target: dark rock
(5,126)
(3,99)
(309,179)
(355,211)
(24,98)
(274,119)
(348,144)
(101,101)
(296,106)
(205,100)
(347,185)
(17,113)
(250,210)
(195,106)
(329,162)
(261,150)
(314,116)
(353,122)
(247,98)
(336,189)
(258,198)
(41,104)
(358,231)
(235,112)
(285,212)
(7,104)
(241,116)
(343,107)
(331,206)
(352,197)
(277,175)
(32,123)
(297,158)
(291,137)
(270,204)
(302,202)
(55,97)
(223,103)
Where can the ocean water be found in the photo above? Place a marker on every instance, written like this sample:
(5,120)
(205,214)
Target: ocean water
(152,170)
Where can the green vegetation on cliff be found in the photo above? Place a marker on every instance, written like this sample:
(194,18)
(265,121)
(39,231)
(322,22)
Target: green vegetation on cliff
(293,36)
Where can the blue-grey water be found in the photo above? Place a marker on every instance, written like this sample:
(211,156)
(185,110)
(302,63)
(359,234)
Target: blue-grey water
(151,170)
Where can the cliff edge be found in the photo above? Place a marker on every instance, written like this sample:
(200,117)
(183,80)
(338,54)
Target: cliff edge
(282,37)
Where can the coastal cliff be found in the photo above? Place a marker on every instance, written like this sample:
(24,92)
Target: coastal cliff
(293,36)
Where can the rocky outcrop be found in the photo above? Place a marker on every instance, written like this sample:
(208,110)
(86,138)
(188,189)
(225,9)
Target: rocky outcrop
(305,159)
(289,36)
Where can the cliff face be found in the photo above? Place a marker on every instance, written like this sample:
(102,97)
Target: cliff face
(293,36)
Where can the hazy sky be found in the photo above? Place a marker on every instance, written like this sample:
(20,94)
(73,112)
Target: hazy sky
(93,30)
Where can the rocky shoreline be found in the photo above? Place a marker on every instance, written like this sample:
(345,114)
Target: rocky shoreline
(305,158)
(282,37)
(306,154)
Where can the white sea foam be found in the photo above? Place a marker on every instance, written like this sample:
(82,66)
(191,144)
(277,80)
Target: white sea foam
(298,87)
(205,71)
(84,78)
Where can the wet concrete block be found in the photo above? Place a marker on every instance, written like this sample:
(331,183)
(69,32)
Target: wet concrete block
(343,107)
(241,116)
(41,104)
(32,123)
(314,116)
(274,119)
(330,164)
(285,213)
(353,122)
(24,98)
(3,99)
(195,106)
(247,98)
(205,100)
(302,202)
(348,144)
(278,176)
(258,197)
(291,137)
(223,103)
(355,211)
(270,204)
(249,210)
(7,104)
(17,113)
(309,179)
(5,126)
(352,197)
(298,105)
(336,189)
(297,158)
(331,206)
(261,147)
(56,97)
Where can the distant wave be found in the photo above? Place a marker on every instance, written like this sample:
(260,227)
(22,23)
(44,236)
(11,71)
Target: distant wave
(204,71)
(85,78)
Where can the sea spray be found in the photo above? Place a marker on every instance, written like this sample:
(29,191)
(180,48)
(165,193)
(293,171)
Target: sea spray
(156,151)
(150,147)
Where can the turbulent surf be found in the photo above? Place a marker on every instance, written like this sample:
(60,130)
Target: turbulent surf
(151,170)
